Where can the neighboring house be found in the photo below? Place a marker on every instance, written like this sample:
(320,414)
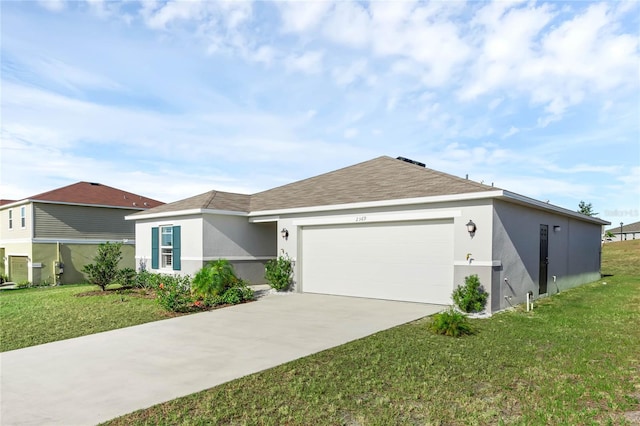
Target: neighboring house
(384,228)
(630,231)
(49,237)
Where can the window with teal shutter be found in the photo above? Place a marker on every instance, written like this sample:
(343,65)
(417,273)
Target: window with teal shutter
(155,248)
(176,248)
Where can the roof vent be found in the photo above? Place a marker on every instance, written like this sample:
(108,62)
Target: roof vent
(408,160)
(94,184)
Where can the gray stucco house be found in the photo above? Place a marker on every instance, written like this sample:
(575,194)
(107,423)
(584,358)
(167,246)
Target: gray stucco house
(385,228)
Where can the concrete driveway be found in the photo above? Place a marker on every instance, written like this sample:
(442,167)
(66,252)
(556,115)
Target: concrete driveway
(95,378)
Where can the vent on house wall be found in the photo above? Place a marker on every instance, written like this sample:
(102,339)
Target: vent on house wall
(94,184)
(409,160)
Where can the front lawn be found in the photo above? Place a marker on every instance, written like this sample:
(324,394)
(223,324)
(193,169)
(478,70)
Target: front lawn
(574,360)
(40,315)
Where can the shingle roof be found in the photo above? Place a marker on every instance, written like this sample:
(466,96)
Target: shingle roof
(383,178)
(632,227)
(3,202)
(214,200)
(96,194)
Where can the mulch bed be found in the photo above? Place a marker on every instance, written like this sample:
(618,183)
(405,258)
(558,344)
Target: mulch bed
(129,291)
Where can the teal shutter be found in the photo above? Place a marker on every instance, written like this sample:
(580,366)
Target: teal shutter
(176,248)
(155,248)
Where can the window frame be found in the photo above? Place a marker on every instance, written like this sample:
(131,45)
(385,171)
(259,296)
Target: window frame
(10,219)
(23,217)
(166,250)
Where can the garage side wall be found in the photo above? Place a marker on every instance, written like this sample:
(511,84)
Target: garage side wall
(574,252)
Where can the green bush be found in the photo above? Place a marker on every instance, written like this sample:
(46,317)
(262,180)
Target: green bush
(232,296)
(174,292)
(214,279)
(23,284)
(470,297)
(451,323)
(105,269)
(126,277)
(279,272)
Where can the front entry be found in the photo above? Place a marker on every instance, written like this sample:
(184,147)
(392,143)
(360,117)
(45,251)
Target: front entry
(18,269)
(544,259)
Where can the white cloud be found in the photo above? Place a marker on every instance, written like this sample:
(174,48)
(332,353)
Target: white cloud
(308,62)
(632,179)
(348,24)
(264,54)
(512,131)
(302,16)
(351,133)
(344,76)
(53,5)
(556,66)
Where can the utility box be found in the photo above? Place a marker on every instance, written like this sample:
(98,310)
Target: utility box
(58,267)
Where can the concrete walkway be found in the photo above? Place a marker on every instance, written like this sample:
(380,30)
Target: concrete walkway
(92,379)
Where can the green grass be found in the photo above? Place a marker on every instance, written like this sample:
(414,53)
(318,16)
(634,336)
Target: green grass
(574,360)
(621,258)
(40,315)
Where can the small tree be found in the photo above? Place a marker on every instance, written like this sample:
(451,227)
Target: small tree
(105,269)
(586,209)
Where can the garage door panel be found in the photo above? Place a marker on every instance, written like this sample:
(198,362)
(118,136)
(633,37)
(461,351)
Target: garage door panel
(411,261)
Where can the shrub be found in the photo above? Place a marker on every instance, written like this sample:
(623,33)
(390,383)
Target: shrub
(126,277)
(147,280)
(451,323)
(4,278)
(105,269)
(174,292)
(232,296)
(214,279)
(23,284)
(279,272)
(470,297)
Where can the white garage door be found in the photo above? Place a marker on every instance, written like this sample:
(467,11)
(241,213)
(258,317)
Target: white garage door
(409,261)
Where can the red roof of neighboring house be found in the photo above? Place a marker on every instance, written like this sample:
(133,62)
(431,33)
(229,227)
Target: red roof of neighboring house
(3,202)
(98,194)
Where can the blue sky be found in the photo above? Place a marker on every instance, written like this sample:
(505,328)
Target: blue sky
(170,99)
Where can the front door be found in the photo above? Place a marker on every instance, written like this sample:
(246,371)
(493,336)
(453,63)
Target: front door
(18,268)
(544,259)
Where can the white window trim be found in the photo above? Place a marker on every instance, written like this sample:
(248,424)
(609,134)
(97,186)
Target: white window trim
(162,248)
(23,217)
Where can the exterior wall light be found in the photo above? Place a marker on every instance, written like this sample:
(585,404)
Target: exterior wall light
(285,233)
(471,227)
(557,228)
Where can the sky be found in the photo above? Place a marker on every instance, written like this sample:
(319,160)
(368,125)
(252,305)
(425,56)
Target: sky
(170,99)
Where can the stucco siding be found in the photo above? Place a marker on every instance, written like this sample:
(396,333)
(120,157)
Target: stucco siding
(574,252)
(58,221)
(191,230)
(480,245)
(234,236)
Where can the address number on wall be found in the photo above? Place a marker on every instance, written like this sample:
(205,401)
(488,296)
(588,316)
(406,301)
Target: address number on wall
(361,218)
